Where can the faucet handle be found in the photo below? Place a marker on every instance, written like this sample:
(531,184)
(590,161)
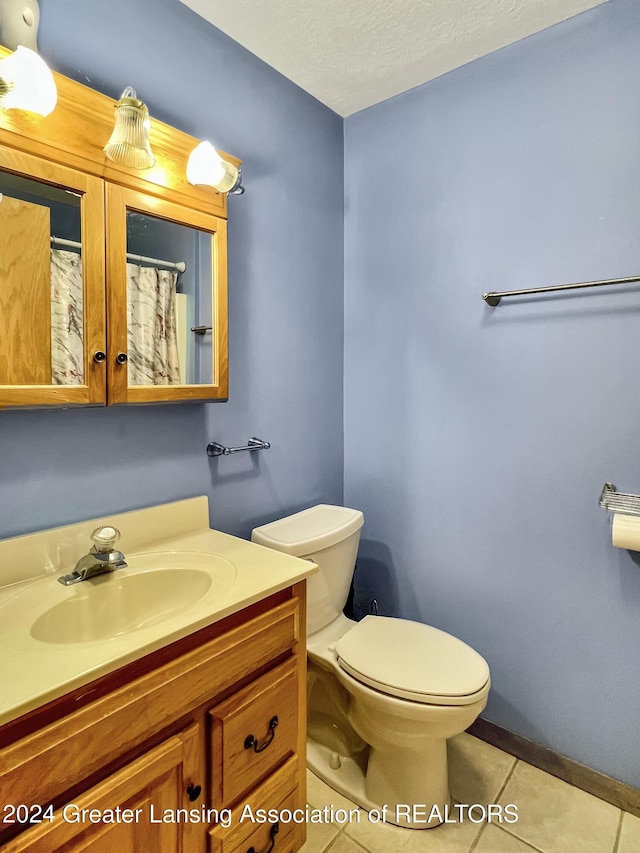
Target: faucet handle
(104,538)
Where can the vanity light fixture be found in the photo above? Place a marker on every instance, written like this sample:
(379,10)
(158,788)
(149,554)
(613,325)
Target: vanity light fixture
(26,83)
(129,142)
(206,166)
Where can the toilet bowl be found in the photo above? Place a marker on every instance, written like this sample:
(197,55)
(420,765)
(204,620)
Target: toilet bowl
(384,694)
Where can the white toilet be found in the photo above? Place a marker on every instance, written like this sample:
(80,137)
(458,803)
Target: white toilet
(384,693)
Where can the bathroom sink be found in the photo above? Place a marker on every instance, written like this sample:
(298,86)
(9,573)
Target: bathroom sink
(154,588)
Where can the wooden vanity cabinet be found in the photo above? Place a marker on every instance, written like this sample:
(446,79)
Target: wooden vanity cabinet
(166,754)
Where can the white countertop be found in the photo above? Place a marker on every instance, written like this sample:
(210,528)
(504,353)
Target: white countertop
(33,672)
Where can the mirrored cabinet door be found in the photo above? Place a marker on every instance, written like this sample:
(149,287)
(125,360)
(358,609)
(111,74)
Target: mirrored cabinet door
(167,300)
(52,314)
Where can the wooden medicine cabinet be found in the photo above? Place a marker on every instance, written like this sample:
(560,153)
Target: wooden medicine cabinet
(113,281)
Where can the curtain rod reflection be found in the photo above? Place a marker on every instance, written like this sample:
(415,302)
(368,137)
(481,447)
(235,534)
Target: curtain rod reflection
(180,266)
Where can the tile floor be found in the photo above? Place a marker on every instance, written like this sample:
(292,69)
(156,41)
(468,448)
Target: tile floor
(553,817)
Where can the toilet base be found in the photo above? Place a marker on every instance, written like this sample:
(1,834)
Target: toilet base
(348,777)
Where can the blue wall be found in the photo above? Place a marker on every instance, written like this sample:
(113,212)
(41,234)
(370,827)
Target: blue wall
(478,439)
(285,291)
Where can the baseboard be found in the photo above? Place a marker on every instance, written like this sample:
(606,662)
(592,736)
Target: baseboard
(592,781)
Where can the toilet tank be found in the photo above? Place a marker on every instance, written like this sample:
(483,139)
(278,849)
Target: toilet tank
(329,536)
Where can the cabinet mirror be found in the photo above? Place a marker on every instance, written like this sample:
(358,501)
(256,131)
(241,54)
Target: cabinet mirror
(166,269)
(50,314)
(169,302)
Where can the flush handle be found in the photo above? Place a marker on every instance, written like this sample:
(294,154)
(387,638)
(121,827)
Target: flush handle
(251,743)
(275,829)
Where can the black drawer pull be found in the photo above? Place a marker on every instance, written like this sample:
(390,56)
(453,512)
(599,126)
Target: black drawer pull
(251,743)
(194,792)
(275,829)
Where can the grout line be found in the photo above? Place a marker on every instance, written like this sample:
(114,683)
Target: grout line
(506,781)
(335,839)
(476,840)
(474,843)
(511,834)
(618,833)
(521,840)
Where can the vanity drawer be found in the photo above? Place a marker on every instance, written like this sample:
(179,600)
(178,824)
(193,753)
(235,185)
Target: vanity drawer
(245,831)
(253,732)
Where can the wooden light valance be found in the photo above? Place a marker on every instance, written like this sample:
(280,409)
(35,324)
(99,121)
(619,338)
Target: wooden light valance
(75,133)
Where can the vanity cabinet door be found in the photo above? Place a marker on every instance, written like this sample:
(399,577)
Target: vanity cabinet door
(52,311)
(133,811)
(167,300)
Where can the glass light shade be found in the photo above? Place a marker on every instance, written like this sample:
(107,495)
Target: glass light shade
(26,83)
(206,166)
(129,142)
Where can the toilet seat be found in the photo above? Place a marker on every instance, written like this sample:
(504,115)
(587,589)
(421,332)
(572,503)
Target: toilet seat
(412,661)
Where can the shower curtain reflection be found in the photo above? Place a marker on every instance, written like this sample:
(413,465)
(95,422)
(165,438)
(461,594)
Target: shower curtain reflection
(152,337)
(67,343)
(151,313)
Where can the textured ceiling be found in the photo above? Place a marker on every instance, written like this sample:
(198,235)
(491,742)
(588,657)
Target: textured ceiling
(351,54)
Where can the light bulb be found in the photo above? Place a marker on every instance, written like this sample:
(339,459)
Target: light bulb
(26,83)
(206,166)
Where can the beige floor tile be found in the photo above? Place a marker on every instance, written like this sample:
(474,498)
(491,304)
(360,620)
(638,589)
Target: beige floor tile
(495,840)
(457,836)
(319,836)
(319,794)
(454,837)
(630,834)
(446,838)
(557,818)
(477,770)
(378,837)
(344,844)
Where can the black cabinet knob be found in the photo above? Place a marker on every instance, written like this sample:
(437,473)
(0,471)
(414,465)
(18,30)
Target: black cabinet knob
(99,357)
(122,358)
(194,792)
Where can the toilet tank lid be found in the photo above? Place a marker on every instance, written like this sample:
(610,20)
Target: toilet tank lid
(309,531)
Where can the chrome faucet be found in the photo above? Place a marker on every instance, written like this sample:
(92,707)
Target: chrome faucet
(101,558)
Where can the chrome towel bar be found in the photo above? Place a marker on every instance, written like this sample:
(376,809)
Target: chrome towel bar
(619,501)
(215,449)
(493,299)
